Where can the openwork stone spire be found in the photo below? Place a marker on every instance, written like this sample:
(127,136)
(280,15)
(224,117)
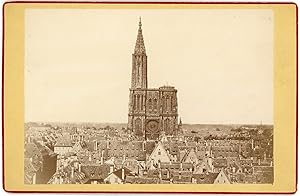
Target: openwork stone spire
(139,45)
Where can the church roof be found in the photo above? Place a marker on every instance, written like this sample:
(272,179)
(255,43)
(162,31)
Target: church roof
(139,45)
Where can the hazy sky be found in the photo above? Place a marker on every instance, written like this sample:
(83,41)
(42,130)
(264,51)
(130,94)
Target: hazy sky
(78,63)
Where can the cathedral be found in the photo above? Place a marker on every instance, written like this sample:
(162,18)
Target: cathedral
(152,112)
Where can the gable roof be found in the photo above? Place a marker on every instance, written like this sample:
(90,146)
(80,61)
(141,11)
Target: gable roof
(141,180)
(205,178)
(223,173)
(159,145)
(220,162)
(96,171)
(118,172)
(188,154)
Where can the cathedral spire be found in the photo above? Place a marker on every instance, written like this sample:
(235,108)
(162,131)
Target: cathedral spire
(139,45)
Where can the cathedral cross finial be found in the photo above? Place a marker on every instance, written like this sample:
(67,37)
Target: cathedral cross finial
(140,23)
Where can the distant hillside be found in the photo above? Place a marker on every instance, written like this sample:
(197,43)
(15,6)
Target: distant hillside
(208,126)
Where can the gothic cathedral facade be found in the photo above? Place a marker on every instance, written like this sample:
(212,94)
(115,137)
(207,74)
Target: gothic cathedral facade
(152,111)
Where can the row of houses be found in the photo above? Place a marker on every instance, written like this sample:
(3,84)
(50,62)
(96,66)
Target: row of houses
(75,158)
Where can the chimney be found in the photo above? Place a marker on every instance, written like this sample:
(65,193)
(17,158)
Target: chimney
(258,161)
(159,164)
(159,174)
(111,169)
(168,173)
(265,156)
(61,180)
(193,180)
(107,144)
(72,172)
(56,180)
(144,145)
(28,139)
(124,158)
(209,161)
(95,145)
(271,164)
(79,167)
(252,144)
(151,162)
(90,157)
(123,174)
(180,165)
(34,178)
(179,175)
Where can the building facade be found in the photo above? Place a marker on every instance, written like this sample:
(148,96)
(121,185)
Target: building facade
(151,110)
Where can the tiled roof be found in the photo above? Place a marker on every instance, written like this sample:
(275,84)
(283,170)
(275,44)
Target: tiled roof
(264,177)
(176,165)
(64,142)
(141,180)
(129,149)
(77,178)
(200,154)
(220,162)
(207,178)
(30,166)
(149,147)
(31,150)
(257,169)
(181,176)
(127,172)
(96,171)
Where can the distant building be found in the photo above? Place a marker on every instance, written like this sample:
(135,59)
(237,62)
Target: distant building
(151,110)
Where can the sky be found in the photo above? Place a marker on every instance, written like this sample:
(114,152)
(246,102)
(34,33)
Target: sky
(78,63)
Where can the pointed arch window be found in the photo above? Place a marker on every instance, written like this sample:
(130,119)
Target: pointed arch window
(134,102)
(155,104)
(168,103)
(142,102)
(150,104)
(138,102)
(164,103)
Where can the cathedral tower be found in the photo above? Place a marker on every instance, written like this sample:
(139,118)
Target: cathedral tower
(139,62)
(152,111)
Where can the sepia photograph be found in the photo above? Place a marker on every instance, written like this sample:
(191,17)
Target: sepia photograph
(149,96)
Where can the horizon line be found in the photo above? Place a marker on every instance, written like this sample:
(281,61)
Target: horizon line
(204,123)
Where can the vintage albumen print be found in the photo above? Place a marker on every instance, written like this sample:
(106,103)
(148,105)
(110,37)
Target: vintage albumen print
(148,96)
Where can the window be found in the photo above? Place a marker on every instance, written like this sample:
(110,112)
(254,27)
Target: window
(150,104)
(155,104)
(134,102)
(159,153)
(138,102)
